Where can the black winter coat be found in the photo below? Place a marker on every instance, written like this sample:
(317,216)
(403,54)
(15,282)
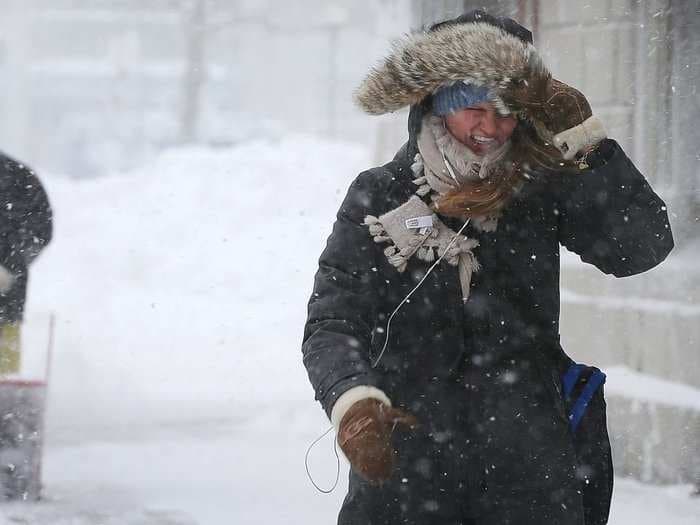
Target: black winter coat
(25,229)
(483,378)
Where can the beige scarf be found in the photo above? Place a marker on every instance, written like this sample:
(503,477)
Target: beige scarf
(446,164)
(442,165)
(449,163)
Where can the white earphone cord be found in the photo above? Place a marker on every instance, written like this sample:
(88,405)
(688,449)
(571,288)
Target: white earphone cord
(405,299)
(386,343)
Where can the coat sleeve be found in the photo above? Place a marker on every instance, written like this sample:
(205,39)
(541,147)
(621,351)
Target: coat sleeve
(342,309)
(610,216)
(26,224)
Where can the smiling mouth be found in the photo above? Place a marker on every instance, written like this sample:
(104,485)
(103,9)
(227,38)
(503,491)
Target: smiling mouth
(481,145)
(482,141)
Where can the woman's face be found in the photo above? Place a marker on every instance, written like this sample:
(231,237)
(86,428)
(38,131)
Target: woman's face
(480,127)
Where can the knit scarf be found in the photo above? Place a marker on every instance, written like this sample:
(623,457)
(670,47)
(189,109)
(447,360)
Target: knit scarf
(446,164)
(442,165)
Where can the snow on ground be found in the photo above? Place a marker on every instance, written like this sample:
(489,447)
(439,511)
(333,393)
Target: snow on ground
(178,396)
(188,279)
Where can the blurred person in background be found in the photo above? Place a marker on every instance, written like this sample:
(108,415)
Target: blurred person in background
(25,230)
(432,339)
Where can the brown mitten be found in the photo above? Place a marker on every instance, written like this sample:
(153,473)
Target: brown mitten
(549,102)
(563,107)
(560,113)
(365,437)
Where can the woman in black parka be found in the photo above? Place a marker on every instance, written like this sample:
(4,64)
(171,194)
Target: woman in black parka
(432,339)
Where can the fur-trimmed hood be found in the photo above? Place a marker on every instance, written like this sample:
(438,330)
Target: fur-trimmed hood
(476,52)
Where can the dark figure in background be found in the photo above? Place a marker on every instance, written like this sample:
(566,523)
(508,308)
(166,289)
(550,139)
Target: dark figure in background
(25,229)
(466,409)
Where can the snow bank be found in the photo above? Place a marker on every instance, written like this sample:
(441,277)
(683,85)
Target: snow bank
(186,280)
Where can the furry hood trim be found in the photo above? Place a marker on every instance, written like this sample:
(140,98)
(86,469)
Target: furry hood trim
(477,53)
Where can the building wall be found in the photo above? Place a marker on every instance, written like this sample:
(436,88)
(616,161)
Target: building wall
(637,62)
(625,55)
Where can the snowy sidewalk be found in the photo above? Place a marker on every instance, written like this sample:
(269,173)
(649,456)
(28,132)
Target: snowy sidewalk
(240,471)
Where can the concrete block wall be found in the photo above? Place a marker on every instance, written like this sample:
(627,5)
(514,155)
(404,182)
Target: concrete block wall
(619,53)
(636,62)
(654,442)
(649,322)
(615,52)
(591,46)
